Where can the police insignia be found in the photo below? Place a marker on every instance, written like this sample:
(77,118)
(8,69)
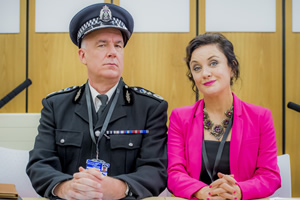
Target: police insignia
(69,89)
(143,91)
(157,96)
(127,95)
(77,95)
(105,14)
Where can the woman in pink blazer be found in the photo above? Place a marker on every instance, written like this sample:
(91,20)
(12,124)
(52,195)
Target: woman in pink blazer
(220,147)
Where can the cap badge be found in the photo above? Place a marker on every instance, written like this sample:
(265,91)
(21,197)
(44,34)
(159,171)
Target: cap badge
(105,14)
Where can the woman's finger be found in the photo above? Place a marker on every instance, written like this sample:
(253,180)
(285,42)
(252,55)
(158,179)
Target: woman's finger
(217,182)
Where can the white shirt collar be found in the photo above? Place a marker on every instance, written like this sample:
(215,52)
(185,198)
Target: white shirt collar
(94,93)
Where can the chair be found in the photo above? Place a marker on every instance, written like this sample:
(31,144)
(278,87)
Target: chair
(285,173)
(18,130)
(165,193)
(12,170)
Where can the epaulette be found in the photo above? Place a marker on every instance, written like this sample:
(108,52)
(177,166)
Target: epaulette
(145,92)
(67,90)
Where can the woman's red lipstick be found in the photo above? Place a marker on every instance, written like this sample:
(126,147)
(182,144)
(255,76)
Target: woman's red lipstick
(209,83)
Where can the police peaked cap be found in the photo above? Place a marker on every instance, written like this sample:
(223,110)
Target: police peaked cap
(97,16)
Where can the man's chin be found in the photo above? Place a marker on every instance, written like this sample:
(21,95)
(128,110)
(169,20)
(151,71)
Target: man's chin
(112,76)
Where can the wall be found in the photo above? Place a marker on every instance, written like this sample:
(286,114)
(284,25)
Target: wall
(292,95)
(13,64)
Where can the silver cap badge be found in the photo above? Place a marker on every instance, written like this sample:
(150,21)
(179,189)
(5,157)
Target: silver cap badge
(105,14)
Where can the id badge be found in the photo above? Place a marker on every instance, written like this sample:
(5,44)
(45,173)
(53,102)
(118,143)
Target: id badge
(98,164)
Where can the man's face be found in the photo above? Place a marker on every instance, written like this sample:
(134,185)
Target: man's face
(102,51)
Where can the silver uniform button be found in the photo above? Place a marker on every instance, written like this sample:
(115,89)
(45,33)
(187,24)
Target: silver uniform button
(97,133)
(130,144)
(62,141)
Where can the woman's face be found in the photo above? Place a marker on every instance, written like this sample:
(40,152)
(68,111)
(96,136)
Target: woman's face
(210,70)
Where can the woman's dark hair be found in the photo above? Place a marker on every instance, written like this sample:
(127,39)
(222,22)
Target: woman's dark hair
(223,44)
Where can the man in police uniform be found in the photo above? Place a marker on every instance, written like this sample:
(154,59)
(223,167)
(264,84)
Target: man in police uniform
(87,149)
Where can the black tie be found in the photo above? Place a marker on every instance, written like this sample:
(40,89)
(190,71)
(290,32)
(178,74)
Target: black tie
(103,98)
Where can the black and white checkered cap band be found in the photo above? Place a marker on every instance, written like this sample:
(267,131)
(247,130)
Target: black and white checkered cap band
(95,23)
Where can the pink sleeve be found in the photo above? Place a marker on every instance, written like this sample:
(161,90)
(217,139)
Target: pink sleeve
(266,178)
(180,183)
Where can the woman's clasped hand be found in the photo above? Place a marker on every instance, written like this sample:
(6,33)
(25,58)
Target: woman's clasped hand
(225,187)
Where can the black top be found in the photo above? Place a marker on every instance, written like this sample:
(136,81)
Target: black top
(212,149)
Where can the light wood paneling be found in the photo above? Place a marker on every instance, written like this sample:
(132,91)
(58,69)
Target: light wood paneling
(293,95)
(156,61)
(53,63)
(13,64)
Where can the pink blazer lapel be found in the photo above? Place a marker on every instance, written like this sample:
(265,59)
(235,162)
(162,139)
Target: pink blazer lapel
(194,142)
(236,136)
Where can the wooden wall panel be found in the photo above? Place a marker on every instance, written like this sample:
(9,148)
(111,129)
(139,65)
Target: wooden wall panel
(53,63)
(13,64)
(292,95)
(156,61)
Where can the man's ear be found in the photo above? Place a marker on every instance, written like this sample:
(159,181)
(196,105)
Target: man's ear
(81,54)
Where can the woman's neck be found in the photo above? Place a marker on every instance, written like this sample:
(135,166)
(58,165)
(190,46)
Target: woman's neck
(218,104)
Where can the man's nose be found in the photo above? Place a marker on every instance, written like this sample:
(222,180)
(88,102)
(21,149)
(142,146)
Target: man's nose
(112,51)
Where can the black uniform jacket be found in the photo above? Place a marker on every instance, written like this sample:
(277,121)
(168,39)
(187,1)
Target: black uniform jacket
(63,143)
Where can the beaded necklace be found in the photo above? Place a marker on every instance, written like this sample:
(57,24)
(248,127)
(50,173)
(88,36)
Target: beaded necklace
(217,130)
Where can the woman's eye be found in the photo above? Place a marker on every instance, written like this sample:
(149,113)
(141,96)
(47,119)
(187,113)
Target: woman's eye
(213,63)
(196,68)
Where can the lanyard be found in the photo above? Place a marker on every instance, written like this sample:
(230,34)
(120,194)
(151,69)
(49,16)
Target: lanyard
(107,118)
(219,154)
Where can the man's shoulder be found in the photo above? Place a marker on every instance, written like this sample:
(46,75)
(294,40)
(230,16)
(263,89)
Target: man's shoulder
(140,92)
(74,91)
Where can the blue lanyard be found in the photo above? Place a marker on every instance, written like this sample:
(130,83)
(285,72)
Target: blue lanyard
(107,118)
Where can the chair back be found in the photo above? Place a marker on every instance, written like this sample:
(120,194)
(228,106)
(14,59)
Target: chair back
(18,130)
(165,193)
(13,171)
(285,173)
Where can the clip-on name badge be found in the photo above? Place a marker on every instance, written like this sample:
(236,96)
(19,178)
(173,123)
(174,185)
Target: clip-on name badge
(98,164)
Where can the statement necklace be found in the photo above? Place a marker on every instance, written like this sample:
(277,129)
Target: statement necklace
(218,129)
